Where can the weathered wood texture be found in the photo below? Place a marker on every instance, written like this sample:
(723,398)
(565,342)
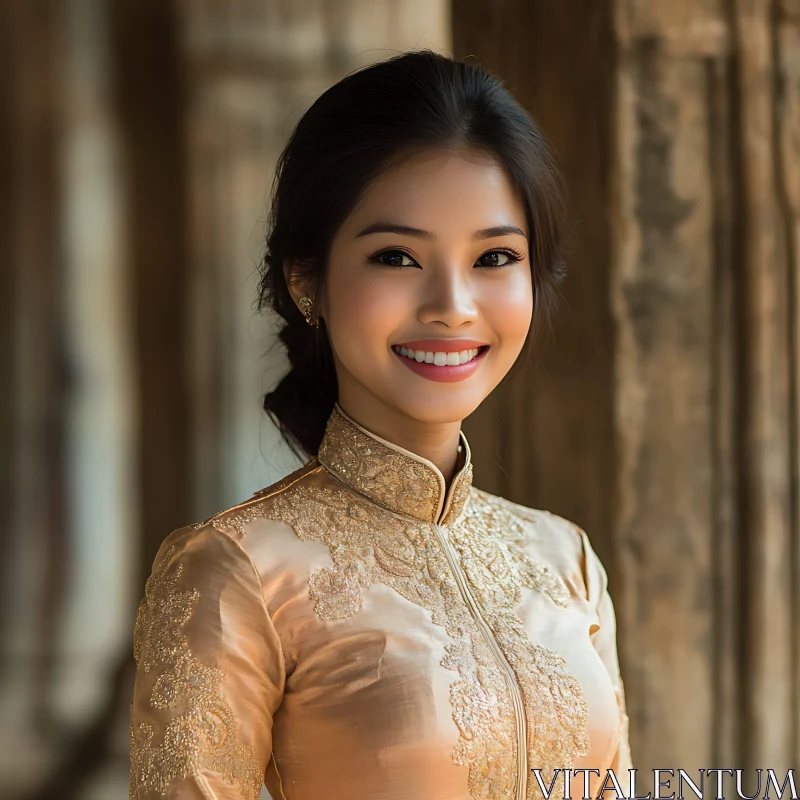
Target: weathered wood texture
(769,437)
(787,38)
(675,360)
(34,368)
(37,372)
(150,90)
(8,292)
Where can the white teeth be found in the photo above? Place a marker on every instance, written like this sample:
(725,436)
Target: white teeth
(438,358)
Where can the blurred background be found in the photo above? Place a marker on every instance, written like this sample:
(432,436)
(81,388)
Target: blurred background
(137,143)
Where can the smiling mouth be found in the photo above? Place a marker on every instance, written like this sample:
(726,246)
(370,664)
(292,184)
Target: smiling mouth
(439,358)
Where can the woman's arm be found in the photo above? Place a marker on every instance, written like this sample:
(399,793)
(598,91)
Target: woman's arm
(604,639)
(210,674)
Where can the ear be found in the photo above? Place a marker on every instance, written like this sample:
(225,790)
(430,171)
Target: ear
(298,287)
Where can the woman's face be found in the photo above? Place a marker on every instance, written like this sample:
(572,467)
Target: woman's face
(434,259)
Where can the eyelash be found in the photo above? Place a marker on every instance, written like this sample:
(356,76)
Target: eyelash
(513,255)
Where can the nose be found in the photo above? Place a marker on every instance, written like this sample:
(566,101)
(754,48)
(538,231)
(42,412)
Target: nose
(448,298)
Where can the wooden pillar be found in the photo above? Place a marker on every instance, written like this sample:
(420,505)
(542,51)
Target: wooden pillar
(767,39)
(662,294)
(148,88)
(787,66)
(664,418)
(34,530)
(150,83)
(35,375)
(8,291)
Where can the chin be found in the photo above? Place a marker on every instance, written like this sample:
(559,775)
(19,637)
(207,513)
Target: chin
(435,407)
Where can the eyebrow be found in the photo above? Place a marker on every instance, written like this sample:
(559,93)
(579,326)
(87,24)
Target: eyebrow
(418,233)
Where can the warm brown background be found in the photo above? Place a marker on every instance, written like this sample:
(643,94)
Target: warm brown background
(137,139)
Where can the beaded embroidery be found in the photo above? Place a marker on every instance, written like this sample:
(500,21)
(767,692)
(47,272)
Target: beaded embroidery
(368,544)
(393,478)
(490,542)
(203,735)
(492,518)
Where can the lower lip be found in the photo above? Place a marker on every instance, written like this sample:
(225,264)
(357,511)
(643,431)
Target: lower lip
(446,374)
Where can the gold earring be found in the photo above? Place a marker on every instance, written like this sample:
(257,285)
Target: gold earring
(305,304)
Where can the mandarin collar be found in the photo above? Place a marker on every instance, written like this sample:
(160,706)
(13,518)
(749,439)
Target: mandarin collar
(390,475)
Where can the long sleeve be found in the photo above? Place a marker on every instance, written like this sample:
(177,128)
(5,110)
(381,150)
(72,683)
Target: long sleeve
(604,639)
(210,674)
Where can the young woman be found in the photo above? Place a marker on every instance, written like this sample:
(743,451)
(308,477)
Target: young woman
(373,625)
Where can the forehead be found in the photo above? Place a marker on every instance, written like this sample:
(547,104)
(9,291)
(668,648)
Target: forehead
(454,192)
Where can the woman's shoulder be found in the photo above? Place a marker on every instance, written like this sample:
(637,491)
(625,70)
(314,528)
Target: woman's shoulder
(239,524)
(550,549)
(538,524)
(236,520)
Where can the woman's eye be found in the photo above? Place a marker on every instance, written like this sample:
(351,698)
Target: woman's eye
(394,258)
(497,258)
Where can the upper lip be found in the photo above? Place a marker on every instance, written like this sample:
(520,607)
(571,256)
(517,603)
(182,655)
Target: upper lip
(442,345)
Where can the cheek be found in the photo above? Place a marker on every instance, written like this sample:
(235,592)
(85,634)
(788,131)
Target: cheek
(508,307)
(364,310)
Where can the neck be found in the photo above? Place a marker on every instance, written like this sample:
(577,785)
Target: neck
(436,441)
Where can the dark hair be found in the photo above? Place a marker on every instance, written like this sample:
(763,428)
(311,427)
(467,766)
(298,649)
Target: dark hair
(358,128)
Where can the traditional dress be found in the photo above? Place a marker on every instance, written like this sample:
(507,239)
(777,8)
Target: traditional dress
(358,630)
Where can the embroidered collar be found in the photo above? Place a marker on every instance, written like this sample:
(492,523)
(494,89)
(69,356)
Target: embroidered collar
(392,476)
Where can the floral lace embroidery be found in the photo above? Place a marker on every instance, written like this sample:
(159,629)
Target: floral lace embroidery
(497,515)
(370,545)
(490,542)
(389,476)
(203,735)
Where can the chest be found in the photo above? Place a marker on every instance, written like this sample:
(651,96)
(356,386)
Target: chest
(459,649)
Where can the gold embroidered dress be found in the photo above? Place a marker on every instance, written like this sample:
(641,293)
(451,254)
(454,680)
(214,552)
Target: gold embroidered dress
(357,631)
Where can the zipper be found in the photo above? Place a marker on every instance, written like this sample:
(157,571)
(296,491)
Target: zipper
(521,783)
(521,787)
